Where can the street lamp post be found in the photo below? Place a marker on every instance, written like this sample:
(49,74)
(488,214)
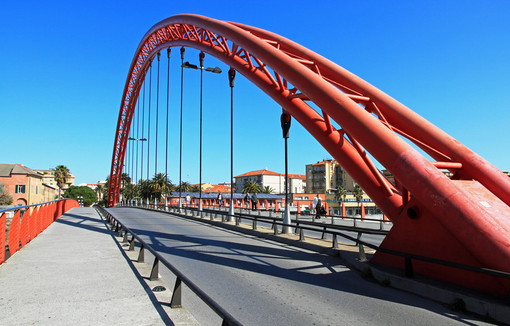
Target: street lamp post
(231,79)
(285,120)
(215,70)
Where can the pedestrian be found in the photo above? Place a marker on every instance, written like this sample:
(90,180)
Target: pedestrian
(247,200)
(220,199)
(188,199)
(315,199)
(318,207)
(254,201)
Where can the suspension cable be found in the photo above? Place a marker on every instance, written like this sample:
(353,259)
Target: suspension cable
(167,98)
(149,125)
(143,130)
(157,119)
(180,129)
(137,139)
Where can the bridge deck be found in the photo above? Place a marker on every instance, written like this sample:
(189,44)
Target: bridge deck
(73,274)
(262,282)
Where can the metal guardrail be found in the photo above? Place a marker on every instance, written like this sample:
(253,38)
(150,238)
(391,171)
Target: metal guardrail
(333,230)
(176,300)
(27,223)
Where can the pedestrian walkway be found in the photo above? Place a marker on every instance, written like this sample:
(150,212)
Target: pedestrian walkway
(74,274)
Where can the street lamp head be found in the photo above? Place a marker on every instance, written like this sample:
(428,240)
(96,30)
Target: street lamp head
(189,65)
(215,70)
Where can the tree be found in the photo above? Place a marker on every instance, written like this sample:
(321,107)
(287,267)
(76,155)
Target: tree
(358,194)
(99,191)
(267,190)
(61,175)
(195,188)
(184,187)
(251,187)
(159,185)
(340,195)
(5,199)
(89,195)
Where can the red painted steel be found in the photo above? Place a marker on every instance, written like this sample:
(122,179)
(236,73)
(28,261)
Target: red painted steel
(423,202)
(33,222)
(24,234)
(13,234)
(2,237)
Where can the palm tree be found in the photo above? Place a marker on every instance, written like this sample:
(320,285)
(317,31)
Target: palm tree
(340,195)
(158,185)
(358,194)
(267,190)
(184,187)
(251,187)
(99,191)
(61,175)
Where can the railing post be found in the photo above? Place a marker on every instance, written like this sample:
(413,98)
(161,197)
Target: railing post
(361,255)
(176,301)
(125,239)
(141,254)
(275,227)
(335,242)
(155,270)
(254,224)
(323,237)
(132,244)
(301,234)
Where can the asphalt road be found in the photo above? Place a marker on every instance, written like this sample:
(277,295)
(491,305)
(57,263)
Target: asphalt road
(261,282)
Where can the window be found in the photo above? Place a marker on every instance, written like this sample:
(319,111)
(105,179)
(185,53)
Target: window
(19,189)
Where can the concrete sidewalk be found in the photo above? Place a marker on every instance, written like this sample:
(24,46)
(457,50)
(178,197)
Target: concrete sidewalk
(74,274)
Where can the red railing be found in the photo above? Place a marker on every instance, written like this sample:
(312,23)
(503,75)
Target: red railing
(27,223)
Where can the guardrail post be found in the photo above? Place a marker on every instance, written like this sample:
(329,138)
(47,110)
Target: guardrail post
(155,270)
(132,244)
(335,242)
(176,301)
(408,267)
(238,220)
(125,239)
(120,231)
(361,255)
(323,237)
(275,227)
(141,255)
(254,224)
(301,235)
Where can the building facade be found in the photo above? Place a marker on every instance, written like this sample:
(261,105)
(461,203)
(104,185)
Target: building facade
(49,179)
(24,185)
(324,177)
(272,179)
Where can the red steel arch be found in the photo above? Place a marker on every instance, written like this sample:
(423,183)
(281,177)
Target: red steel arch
(464,218)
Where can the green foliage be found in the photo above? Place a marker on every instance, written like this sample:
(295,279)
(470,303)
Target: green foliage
(386,282)
(458,305)
(358,193)
(185,187)
(195,188)
(252,187)
(340,194)
(61,175)
(267,190)
(5,199)
(366,273)
(89,195)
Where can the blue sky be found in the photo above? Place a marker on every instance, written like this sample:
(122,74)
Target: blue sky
(64,66)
